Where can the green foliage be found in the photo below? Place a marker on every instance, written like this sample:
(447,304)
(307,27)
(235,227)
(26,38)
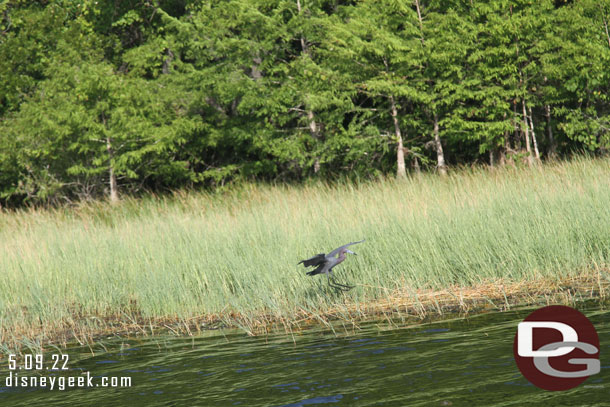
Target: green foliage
(179,93)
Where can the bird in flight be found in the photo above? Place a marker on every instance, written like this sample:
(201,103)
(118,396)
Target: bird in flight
(324,264)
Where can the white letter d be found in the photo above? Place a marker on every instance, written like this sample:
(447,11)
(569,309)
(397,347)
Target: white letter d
(526,342)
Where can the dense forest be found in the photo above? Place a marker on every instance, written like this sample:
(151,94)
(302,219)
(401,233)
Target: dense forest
(103,98)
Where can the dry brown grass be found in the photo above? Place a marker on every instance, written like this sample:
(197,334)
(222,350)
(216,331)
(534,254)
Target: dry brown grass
(400,307)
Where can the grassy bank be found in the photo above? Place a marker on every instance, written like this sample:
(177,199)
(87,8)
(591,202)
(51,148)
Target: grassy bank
(232,259)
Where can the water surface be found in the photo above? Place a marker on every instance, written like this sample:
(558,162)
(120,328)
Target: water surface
(459,362)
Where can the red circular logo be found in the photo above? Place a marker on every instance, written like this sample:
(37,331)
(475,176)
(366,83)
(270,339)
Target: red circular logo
(556,348)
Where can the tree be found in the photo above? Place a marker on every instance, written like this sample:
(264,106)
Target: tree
(442,69)
(101,99)
(94,126)
(575,62)
(376,44)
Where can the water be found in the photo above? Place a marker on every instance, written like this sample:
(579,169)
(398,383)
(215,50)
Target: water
(452,363)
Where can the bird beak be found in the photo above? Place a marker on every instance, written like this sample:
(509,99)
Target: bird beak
(350,252)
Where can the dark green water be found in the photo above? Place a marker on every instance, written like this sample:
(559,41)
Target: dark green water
(467,362)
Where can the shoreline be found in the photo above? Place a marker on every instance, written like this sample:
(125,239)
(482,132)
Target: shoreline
(400,307)
(473,241)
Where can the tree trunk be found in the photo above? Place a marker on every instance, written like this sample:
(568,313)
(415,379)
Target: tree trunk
(303,43)
(313,127)
(504,151)
(440,155)
(114,192)
(421,23)
(400,152)
(167,61)
(416,166)
(530,159)
(536,151)
(552,146)
(255,73)
(605,20)
(516,136)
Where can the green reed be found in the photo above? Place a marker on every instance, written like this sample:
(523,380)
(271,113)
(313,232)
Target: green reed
(194,254)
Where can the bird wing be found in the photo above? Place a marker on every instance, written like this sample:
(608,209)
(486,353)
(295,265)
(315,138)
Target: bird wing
(338,249)
(314,261)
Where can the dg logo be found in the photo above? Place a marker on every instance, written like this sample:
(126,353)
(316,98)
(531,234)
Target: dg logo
(556,348)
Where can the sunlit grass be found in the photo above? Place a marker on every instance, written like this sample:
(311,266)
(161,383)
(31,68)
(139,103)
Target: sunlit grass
(233,257)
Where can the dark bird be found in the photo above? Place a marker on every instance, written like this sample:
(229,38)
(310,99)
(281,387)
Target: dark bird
(324,264)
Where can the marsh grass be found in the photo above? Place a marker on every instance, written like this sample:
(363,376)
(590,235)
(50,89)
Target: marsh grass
(197,260)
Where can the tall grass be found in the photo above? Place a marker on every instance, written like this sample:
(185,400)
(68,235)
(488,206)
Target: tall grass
(197,254)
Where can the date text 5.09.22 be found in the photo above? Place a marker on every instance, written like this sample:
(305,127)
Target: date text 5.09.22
(37,362)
